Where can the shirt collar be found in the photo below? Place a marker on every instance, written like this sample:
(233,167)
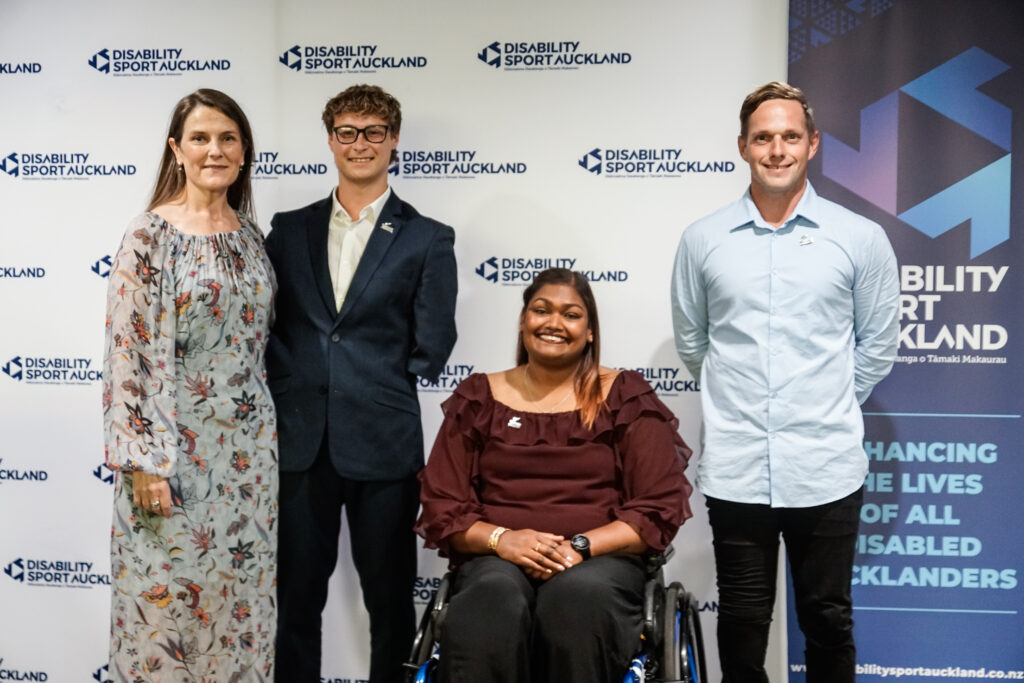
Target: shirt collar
(807,212)
(370,212)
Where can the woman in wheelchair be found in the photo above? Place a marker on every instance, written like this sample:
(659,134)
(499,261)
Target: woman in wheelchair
(546,487)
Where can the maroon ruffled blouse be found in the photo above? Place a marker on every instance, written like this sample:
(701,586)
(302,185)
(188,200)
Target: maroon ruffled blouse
(546,471)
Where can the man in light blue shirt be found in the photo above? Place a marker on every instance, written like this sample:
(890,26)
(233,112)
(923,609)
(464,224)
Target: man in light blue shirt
(785,306)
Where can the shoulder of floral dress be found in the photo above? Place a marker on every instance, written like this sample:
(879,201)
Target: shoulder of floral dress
(147,231)
(250,225)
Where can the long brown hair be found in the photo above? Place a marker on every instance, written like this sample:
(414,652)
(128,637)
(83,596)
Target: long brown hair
(587,384)
(170,183)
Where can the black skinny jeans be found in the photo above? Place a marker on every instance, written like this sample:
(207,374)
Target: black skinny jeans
(820,544)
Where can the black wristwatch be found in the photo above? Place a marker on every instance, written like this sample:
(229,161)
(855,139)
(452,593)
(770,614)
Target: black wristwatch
(581,544)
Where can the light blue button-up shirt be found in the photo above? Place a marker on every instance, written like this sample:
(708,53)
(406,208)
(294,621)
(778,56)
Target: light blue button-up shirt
(788,330)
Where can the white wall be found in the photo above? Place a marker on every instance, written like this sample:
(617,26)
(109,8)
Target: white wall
(689,65)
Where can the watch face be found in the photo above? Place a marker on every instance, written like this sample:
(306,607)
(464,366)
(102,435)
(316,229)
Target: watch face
(581,544)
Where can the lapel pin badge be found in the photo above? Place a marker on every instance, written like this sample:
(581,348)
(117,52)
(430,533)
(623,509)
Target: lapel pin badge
(514,422)
(805,240)
(387,227)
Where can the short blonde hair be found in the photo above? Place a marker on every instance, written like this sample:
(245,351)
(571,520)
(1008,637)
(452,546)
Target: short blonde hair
(776,90)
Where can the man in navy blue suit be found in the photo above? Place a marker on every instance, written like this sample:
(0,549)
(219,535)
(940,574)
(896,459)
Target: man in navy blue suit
(366,303)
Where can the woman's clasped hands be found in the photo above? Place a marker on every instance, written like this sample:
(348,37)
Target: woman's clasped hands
(540,554)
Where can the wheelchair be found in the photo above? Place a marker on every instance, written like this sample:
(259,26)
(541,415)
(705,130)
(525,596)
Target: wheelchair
(672,644)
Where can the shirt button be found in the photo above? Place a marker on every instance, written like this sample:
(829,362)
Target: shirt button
(774,394)
(335,338)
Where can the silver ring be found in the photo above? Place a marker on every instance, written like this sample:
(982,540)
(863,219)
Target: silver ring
(155,504)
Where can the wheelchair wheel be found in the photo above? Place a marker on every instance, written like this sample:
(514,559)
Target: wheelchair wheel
(429,632)
(683,644)
(693,666)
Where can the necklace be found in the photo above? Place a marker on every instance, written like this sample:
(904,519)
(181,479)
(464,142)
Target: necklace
(533,391)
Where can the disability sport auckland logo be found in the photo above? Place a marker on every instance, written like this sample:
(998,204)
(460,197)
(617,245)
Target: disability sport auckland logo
(659,162)
(52,370)
(22,272)
(62,165)
(13,474)
(9,165)
(20,68)
(450,377)
(102,266)
(55,573)
(668,381)
(14,368)
(346,59)
(519,271)
(452,164)
(547,55)
(9,672)
(272,166)
(951,90)
(152,62)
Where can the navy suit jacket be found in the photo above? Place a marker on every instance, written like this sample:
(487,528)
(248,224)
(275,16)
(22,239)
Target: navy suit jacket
(351,374)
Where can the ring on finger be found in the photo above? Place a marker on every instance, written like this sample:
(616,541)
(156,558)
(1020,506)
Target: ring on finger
(155,504)
(536,548)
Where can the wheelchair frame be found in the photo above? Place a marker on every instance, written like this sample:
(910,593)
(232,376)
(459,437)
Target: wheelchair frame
(672,644)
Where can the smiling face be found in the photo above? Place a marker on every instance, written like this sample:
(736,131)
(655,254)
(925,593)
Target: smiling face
(211,150)
(361,162)
(554,326)
(777,147)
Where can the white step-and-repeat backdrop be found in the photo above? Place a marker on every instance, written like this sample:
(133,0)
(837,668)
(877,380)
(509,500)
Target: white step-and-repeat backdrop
(581,134)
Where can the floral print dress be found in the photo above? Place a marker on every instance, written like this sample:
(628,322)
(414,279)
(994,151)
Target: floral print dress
(185,397)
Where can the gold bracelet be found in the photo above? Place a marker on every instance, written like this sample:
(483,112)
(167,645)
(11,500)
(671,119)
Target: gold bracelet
(492,542)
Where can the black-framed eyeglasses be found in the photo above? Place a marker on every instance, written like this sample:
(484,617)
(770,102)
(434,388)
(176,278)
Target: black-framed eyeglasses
(346,135)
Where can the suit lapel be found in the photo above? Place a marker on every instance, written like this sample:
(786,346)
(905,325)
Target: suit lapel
(380,241)
(318,220)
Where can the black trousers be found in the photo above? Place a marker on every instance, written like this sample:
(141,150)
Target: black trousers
(820,544)
(581,626)
(380,516)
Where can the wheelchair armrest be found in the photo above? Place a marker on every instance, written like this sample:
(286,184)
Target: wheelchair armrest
(439,606)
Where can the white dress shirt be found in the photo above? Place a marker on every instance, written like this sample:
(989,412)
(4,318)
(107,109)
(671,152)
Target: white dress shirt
(346,241)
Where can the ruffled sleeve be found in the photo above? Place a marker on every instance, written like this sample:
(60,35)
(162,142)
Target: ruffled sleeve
(139,403)
(652,457)
(447,490)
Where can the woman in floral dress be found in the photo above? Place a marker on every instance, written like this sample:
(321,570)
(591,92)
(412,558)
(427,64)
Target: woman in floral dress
(189,423)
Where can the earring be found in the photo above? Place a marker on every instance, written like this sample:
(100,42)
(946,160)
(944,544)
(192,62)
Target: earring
(181,168)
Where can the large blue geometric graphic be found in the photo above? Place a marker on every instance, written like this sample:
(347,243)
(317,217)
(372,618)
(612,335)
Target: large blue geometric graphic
(870,172)
(951,90)
(982,197)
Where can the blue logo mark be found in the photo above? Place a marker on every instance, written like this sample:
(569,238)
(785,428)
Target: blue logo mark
(9,165)
(488,270)
(102,267)
(13,368)
(101,673)
(951,89)
(16,570)
(103,474)
(393,168)
(292,58)
(101,61)
(491,55)
(591,161)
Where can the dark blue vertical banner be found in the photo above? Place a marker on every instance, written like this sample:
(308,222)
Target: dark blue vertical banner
(921,108)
